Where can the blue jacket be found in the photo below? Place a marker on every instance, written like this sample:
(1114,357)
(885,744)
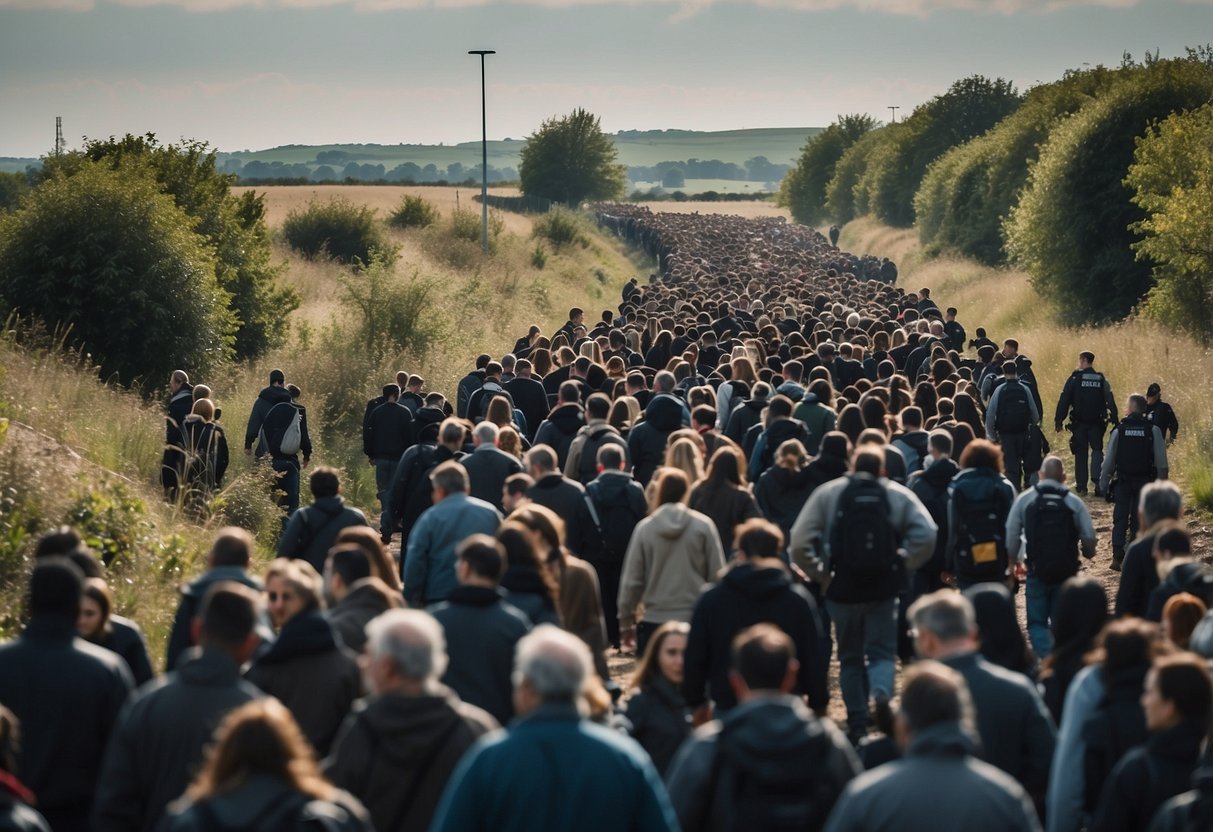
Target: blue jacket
(429,563)
(553,770)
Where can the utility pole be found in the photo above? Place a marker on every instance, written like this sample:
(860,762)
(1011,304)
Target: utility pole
(484,153)
(60,144)
(894,110)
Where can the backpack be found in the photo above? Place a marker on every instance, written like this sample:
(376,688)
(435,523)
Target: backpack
(200,454)
(614,521)
(779,795)
(284,439)
(981,534)
(864,557)
(1014,414)
(1052,535)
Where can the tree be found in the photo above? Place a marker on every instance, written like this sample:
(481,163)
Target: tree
(841,193)
(108,254)
(571,160)
(1172,181)
(12,187)
(803,190)
(1072,228)
(233,224)
(674,178)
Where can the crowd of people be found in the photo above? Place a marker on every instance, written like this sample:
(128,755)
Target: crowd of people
(768,456)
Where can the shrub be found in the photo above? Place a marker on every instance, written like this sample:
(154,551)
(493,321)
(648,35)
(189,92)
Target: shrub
(109,255)
(246,501)
(803,190)
(559,226)
(336,228)
(414,212)
(539,257)
(467,224)
(392,315)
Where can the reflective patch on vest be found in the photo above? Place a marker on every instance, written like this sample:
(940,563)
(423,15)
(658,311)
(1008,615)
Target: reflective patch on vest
(1136,432)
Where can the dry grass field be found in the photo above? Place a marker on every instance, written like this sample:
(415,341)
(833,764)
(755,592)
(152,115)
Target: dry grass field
(740,209)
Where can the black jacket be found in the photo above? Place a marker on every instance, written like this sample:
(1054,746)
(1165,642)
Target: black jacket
(395,753)
(126,639)
(744,417)
(410,491)
(660,720)
(567,498)
(468,385)
(181,638)
(747,596)
(529,397)
(312,530)
(351,614)
(311,673)
(265,802)
(1195,578)
(769,441)
(1017,733)
(1138,578)
(1147,777)
(67,694)
(160,739)
(558,430)
(931,488)
(265,401)
(488,467)
(647,439)
(781,494)
(389,431)
(482,631)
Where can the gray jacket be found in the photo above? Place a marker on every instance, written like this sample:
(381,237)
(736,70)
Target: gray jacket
(1109,465)
(809,545)
(906,794)
(1016,534)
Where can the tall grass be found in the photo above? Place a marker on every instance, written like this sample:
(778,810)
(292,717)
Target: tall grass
(1132,353)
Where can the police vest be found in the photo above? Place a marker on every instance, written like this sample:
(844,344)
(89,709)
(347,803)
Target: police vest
(1135,448)
(1089,397)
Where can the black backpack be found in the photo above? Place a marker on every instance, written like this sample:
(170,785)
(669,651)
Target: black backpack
(779,795)
(981,533)
(1052,535)
(1014,415)
(864,558)
(201,453)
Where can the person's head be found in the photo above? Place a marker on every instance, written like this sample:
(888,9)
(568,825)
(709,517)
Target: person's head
(227,620)
(178,379)
(551,667)
(447,479)
(55,589)
(540,461)
(58,541)
(981,453)
(663,656)
(345,566)
(758,539)
(1153,392)
(664,382)
(1172,542)
(1178,689)
(933,694)
(1085,360)
(260,738)
(485,433)
(1052,468)
(545,526)
(1126,643)
(233,546)
(685,455)
(1079,615)
(1137,404)
(405,653)
(1010,348)
(391,392)
(514,489)
(868,459)
(791,455)
(943,624)
(570,393)
(383,566)
(277,378)
(1010,370)
(325,482)
(1180,615)
(204,408)
(481,561)
(96,606)
(939,444)
(610,458)
(451,434)
(669,485)
(911,419)
(764,662)
(1002,639)
(292,587)
(1160,500)
(576,315)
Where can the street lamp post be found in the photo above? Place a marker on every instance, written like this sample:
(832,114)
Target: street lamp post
(484,153)
(893,109)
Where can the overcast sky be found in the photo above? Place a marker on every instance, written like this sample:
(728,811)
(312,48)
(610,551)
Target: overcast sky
(251,74)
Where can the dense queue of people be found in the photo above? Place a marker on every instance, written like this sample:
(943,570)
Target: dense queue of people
(769,455)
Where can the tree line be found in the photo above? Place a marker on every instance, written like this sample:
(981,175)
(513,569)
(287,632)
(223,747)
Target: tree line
(1099,184)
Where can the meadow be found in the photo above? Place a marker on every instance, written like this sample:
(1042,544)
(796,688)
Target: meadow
(698,186)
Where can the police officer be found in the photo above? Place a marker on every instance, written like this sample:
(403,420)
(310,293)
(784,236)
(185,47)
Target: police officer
(1088,402)
(1136,455)
(1161,414)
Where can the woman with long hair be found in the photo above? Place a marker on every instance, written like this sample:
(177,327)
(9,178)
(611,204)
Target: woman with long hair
(510,441)
(672,554)
(1002,639)
(659,715)
(732,392)
(95,625)
(785,487)
(1078,618)
(659,355)
(382,565)
(530,582)
(580,600)
(687,457)
(724,496)
(261,774)
(850,422)
(306,668)
(206,454)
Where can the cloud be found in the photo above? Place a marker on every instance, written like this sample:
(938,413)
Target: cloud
(681,9)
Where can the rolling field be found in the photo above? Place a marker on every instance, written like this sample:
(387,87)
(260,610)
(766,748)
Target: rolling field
(698,186)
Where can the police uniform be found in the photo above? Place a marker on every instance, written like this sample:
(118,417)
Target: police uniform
(1087,401)
(1137,455)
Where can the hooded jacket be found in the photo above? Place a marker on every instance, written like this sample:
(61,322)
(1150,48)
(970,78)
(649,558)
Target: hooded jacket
(905,794)
(312,530)
(727,505)
(395,753)
(647,439)
(181,638)
(673,553)
(781,494)
(1191,576)
(931,488)
(558,430)
(262,405)
(160,739)
(771,736)
(364,602)
(780,431)
(266,802)
(566,498)
(744,416)
(748,595)
(312,674)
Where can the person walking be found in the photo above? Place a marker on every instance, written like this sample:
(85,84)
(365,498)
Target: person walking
(1087,401)
(388,434)
(1046,528)
(979,502)
(312,530)
(1137,455)
(618,505)
(656,710)
(858,536)
(180,403)
(278,426)
(488,466)
(1010,415)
